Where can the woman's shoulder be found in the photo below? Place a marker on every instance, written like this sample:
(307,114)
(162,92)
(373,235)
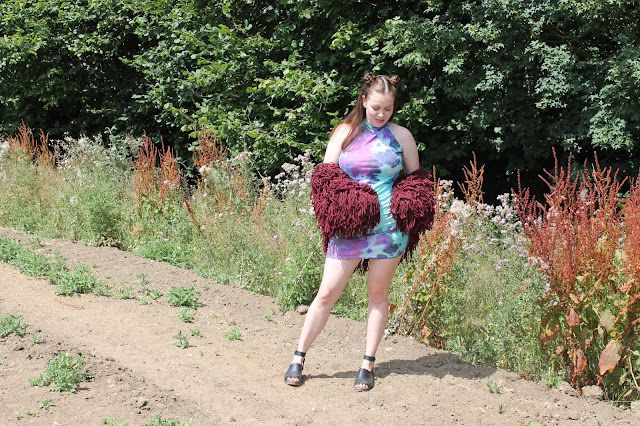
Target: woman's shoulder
(402,134)
(341,131)
(334,148)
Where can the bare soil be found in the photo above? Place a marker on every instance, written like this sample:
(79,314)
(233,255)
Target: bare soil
(138,372)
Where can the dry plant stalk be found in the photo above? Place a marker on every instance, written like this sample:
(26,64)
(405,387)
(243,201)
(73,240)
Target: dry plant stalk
(472,189)
(575,237)
(23,144)
(631,216)
(439,248)
(209,152)
(155,182)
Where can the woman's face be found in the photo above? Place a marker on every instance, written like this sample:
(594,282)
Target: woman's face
(378,107)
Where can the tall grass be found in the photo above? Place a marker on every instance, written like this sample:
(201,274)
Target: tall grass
(527,286)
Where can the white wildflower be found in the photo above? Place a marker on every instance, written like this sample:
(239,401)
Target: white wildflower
(460,209)
(4,148)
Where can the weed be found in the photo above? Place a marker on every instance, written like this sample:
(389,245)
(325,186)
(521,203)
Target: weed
(36,338)
(201,352)
(64,372)
(154,294)
(8,249)
(30,413)
(205,287)
(113,422)
(12,324)
(195,332)
(213,315)
(18,415)
(159,421)
(184,296)
(552,379)
(493,386)
(27,261)
(500,408)
(234,334)
(78,280)
(46,403)
(125,293)
(186,315)
(182,342)
(33,264)
(144,301)
(270,319)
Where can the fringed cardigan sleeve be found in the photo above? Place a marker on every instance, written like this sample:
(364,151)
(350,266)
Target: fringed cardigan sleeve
(413,206)
(346,208)
(342,207)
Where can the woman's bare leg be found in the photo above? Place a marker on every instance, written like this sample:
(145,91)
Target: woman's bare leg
(335,276)
(381,272)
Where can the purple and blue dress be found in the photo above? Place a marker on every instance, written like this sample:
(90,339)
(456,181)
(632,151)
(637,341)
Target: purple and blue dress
(373,158)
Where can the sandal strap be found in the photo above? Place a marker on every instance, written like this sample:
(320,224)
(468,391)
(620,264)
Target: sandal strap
(370,358)
(298,353)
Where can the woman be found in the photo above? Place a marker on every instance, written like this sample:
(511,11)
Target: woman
(372,151)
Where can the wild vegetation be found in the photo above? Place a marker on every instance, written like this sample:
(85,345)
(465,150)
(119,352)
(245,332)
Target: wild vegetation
(508,80)
(546,289)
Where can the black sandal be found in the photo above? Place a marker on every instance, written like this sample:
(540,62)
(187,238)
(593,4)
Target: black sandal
(295,371)
(365,377)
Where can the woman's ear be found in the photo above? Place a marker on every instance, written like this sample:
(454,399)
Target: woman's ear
(364,100)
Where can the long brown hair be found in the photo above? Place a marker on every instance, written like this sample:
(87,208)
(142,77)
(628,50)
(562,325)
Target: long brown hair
(377,83)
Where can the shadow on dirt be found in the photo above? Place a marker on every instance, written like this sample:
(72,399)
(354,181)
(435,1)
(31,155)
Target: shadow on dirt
(438,365)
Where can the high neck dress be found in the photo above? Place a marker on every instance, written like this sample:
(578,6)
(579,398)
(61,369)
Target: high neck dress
(373,158)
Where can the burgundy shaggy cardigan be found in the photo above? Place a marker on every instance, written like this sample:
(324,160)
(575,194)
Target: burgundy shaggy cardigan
(348,209)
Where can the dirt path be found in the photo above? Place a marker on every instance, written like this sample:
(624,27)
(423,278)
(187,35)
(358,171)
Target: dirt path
(138,372)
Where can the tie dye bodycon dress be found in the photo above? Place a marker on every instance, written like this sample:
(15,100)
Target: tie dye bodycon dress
(374,158)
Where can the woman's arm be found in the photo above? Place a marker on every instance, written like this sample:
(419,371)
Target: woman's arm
(334,148)
(409,148)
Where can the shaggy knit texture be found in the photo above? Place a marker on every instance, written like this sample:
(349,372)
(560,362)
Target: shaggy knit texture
(342,207)
(348,209)
(413,206)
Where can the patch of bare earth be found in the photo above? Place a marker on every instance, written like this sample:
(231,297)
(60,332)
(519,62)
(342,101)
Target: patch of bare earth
(138,372)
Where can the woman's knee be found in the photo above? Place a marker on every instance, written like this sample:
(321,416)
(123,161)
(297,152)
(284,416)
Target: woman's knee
(378,298)
(326,298)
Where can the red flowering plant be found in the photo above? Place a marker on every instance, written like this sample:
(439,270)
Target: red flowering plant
(577,237)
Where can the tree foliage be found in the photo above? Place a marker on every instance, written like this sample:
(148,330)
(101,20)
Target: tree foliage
(506,79)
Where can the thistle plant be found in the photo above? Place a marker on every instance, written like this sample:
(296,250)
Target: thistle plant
(65,373)
(184,296)
(183,341)
(12,324)
(186,315)
(234,334)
